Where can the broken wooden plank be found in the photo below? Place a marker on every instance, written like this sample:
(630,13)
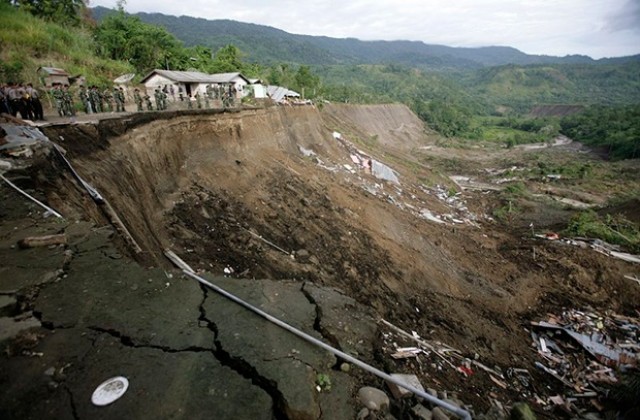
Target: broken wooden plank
(40,241)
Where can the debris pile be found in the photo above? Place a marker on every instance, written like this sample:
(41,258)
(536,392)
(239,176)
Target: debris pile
(460,212)
(362,164)
(585,351)
(18,140)
(597,245)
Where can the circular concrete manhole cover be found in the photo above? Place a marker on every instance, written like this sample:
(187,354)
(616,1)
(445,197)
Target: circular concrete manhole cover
(110,390)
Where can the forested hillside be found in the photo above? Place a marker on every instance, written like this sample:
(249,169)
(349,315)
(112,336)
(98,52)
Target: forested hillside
(267,45)
(479,94)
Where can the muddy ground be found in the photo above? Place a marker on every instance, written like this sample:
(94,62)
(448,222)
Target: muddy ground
(310,237)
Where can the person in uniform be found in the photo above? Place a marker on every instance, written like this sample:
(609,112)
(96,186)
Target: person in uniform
(96,99)
(4,106)
(147,100)
(163,97)
(107,97)
(116,98)
(122,98)
(137,99)
(84,100)
(56,93)
(67,101)
(34,102)
(198,101)
(158,99)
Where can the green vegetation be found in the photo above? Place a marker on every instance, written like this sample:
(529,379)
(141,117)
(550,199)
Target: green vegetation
(469,100)
(28,42)
(65,12)
(517,88)
(512,130)
(509,198)
(323,381)
(611,229)
(616,128)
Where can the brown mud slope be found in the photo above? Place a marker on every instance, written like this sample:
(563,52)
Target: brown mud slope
(207,186)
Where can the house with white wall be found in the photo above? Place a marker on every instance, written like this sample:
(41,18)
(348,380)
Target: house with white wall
(192,82)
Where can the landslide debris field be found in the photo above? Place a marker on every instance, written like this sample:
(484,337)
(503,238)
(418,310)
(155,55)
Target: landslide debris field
(451,243)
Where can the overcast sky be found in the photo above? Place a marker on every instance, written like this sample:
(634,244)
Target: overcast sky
(598,28)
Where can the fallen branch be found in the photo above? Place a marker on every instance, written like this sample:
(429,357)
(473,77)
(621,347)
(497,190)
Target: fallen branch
(39,241)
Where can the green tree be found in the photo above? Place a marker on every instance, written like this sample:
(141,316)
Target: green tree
(615,128)
(445,117)
(228,59)
(61,11)
(306,82)
(127,38)
(280,75)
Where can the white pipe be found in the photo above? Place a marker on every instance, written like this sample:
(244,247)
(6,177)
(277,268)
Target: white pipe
(266,241)
(90,189)
(457,410)
(44,206)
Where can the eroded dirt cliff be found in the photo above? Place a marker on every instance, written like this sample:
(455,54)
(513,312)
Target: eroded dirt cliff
(276,194)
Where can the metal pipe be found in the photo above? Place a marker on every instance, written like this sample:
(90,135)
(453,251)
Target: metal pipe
(98,199)
(90,189)
(44,206)
(459,411)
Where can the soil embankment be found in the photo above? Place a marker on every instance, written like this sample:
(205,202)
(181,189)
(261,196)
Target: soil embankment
(274,194)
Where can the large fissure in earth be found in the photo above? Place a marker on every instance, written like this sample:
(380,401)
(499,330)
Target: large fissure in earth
(237,190)
(280,194)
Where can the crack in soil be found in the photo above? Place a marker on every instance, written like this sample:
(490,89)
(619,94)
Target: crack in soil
(128,342)
(242,367)
(74,409)
(317,323)
(235,363)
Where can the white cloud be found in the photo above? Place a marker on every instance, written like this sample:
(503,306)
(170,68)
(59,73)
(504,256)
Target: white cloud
(554,27)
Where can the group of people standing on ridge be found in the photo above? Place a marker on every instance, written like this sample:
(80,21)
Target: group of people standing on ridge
(19,99)
(25,100)
(95,101)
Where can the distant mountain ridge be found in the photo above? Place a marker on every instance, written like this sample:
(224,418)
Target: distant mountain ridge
(265,44)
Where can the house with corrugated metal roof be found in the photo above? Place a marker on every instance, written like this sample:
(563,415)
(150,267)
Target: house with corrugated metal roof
(50,76)
(281,94)
(191,82)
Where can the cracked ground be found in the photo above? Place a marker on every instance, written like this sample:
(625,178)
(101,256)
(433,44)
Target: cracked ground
(185,349)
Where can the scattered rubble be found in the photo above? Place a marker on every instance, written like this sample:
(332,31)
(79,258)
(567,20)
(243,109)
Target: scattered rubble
(597,245)
(18,139)
(585,351)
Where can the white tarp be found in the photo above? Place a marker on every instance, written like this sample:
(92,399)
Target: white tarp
(382,171)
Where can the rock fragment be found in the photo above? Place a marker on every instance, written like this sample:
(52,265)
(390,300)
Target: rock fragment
(439,414)
(422,412)
(397,391)
(373,398)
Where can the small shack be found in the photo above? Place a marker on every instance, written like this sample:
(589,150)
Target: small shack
(50,76)
(258,88)
(281,95)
